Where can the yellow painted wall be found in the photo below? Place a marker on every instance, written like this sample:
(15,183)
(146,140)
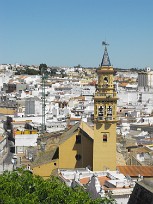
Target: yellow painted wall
(7,111)
(19,132)
(104,152)
(69,149)
(67,153)
(45,170)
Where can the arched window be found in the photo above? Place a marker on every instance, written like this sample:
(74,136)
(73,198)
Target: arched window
(105,79)
(109,113)
(100,111)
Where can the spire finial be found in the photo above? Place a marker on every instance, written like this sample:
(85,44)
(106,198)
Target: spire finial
(105,43)
(105,60)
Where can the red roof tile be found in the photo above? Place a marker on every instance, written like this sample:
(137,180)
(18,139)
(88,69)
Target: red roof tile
(102,180)
(84,180)
(134,171)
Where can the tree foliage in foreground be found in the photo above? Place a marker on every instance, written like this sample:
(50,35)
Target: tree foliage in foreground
(24,188)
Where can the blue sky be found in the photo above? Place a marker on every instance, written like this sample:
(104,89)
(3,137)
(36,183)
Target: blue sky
(70,32)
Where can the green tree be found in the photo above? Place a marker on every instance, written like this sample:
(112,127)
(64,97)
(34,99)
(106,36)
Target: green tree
(24,188)
(31,71)
(78,66)
(42,67)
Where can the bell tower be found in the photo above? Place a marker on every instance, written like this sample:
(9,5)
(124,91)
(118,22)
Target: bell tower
(105,118)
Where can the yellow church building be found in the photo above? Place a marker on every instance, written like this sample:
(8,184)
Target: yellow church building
(87,146)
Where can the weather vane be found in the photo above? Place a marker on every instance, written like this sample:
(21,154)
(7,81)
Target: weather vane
(105,43)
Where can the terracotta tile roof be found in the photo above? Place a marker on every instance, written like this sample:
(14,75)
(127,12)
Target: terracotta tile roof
(22,77)
(134,171)
(102,180)
(93,83)
(20,122)
(84,180)
(75,119)
(123,84)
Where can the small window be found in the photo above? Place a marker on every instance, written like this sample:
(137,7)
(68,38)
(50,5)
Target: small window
(78,157)
(106,80)
(78,139)
(104,137)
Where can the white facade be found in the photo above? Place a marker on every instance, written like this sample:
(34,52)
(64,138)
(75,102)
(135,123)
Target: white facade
(115,184)
(22,142)
(145,79)
(3,145)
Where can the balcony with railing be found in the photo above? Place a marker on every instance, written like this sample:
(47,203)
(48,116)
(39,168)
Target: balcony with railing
(109,118)
(106,95)
(106,119)
(100,118)
(105,86)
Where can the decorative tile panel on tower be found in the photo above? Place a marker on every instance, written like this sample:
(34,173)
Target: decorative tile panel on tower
(105,118)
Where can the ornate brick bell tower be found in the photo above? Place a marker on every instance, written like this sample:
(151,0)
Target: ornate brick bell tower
(105,118)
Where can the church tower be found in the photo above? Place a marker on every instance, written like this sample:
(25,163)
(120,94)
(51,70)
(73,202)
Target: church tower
(105,118)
